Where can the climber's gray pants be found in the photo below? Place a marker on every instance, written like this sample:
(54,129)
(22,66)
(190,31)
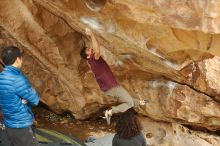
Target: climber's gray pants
(123,97)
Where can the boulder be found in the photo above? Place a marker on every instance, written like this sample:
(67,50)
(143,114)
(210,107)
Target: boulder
(163,51)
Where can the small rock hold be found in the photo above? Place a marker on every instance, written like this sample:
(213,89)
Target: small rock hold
(149,135)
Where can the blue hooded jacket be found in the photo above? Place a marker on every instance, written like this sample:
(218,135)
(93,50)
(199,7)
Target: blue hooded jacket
(14,87)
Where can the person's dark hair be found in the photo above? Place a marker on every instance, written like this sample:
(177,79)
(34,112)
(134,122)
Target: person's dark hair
(128,125)
(9,54)
(83,53)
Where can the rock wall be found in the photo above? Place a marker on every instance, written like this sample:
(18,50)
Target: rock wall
(166,51)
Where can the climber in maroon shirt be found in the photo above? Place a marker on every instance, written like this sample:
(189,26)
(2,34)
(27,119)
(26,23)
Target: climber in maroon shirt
(106,79)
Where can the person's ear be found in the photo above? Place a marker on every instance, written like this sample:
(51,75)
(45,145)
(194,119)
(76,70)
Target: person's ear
(19,59)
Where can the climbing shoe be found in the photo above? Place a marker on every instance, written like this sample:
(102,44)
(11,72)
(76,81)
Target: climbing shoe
(107,116)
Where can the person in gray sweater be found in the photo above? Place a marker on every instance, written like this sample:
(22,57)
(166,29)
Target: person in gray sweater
(128,131)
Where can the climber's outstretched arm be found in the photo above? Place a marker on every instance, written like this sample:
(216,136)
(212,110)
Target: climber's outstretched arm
(95,45)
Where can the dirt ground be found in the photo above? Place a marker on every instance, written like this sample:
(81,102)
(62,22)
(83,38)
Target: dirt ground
(66,124)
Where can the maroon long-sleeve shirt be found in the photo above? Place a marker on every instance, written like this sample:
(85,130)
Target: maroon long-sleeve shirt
(103,73)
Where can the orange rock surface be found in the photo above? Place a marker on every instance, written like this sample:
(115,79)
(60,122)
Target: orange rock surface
(166,51)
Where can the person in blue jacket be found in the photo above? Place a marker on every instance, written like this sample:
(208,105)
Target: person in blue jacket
(16,99)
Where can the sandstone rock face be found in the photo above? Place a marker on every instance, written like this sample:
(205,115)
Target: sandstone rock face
(166,51)
(164,134)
